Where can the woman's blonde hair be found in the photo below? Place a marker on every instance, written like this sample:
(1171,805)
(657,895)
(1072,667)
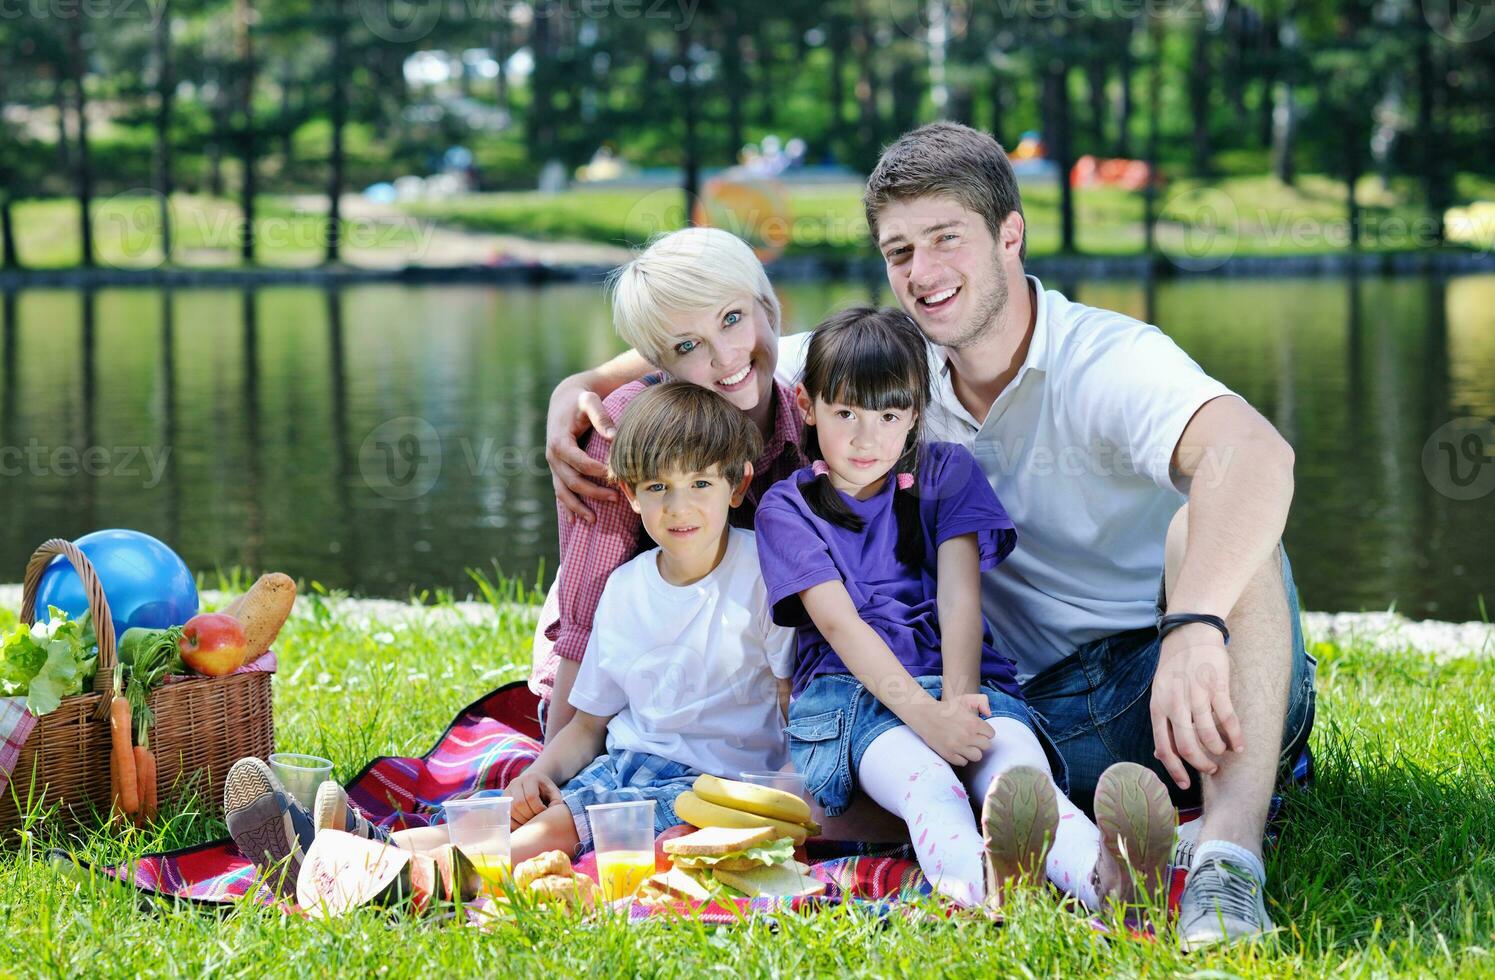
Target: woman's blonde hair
(676,425)
(683,272)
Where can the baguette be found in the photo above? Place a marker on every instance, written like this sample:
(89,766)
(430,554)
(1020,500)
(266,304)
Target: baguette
(263,612)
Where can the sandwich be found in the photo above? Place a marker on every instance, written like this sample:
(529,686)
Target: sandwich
(732,861)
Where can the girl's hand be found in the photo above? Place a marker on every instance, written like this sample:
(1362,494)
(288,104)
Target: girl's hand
(532,793)
(954,729)
(978,703)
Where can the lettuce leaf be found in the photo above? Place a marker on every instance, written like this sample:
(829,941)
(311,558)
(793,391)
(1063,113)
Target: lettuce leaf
(48,661)
(779,851)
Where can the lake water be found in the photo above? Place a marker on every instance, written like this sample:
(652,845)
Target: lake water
(383,438)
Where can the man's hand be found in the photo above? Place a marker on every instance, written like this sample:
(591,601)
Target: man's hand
(573,411)
(954,728)
(532,793)
(1191,707)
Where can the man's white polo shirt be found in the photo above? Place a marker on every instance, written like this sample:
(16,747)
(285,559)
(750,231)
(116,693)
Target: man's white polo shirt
(1078,447)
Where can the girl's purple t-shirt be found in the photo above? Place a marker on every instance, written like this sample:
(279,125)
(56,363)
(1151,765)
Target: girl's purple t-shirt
(798,549)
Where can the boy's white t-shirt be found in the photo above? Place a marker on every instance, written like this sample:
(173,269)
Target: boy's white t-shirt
(1078,448)
(689,672)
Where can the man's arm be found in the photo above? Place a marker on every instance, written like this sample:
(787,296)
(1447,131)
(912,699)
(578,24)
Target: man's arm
(575,407)
(1239,474)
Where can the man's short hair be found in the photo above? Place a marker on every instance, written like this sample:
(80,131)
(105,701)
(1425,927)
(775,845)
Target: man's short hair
(689,271)
(676,425)
(949,159)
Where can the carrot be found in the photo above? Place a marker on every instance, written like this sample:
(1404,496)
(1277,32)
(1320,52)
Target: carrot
(145,767)
(122,756)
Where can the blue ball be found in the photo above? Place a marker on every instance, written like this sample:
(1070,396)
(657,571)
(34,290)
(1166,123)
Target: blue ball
(146,583)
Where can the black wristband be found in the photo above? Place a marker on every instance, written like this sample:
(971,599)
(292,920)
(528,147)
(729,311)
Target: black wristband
(1172,621)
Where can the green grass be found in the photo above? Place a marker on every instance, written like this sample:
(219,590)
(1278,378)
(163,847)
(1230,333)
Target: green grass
(1201,221)
(1386,866)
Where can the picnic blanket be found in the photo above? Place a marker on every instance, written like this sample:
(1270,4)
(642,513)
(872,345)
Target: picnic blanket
(490,742)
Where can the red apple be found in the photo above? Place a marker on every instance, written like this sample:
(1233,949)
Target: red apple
(213,644)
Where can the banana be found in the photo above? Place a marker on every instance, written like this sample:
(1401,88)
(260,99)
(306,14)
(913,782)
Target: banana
(701,813)
(762,800)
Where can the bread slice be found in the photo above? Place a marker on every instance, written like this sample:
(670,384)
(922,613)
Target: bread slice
(717,841)
(675,884)
(780,881)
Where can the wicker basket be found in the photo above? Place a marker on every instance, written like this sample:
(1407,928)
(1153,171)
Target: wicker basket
(202,726)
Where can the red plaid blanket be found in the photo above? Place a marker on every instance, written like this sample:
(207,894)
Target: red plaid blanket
(491,741)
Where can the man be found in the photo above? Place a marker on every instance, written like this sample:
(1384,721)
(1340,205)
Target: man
(1141,487)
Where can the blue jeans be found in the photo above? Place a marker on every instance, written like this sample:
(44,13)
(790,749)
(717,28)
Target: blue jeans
(1096,704)
(835,718)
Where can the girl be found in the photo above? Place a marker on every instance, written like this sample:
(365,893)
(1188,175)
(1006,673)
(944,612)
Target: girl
(899,686)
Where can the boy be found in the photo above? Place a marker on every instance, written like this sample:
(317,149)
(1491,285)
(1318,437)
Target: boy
(684,672)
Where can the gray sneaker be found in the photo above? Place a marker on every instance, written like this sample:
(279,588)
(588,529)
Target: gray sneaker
(1221,902)
(1183,853)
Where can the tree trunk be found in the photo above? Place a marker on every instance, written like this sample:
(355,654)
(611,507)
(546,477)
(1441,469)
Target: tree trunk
(1124,99)
(1200,86)
(905,95)
(1429,138)
(692,163)
(1285,111)
(998,117)
(78,69)
(1154,112)
(165,88)
(1271,28)
(498,43)
(541,125)
(1095,89)
(64,141)
(1057,132)
(9,257)
(338,112)
(866,100)
(836,42)
(244,52)
(732,73)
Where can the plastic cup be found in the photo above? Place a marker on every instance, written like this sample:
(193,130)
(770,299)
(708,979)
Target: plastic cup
(623,834)
(301,775)
(788,781)
(479,828)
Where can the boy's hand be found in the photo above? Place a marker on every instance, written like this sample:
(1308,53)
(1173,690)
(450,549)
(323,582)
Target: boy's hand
(532,793)
(954,729)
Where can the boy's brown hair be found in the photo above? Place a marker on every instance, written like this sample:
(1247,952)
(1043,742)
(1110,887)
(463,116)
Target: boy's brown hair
(950,159)
(679,425)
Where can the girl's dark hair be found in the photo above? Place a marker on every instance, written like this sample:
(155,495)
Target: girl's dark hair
(874,360)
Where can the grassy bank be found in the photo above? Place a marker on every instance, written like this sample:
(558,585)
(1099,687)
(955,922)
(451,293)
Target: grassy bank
(1200,221)
(1386,866)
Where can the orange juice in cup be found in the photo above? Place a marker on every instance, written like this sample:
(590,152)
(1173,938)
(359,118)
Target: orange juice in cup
(624,836)
(479,828)
(621,872)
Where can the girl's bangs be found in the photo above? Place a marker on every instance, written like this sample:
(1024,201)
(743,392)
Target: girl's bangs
(863,373)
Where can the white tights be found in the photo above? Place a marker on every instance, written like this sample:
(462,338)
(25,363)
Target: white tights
(909,779)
